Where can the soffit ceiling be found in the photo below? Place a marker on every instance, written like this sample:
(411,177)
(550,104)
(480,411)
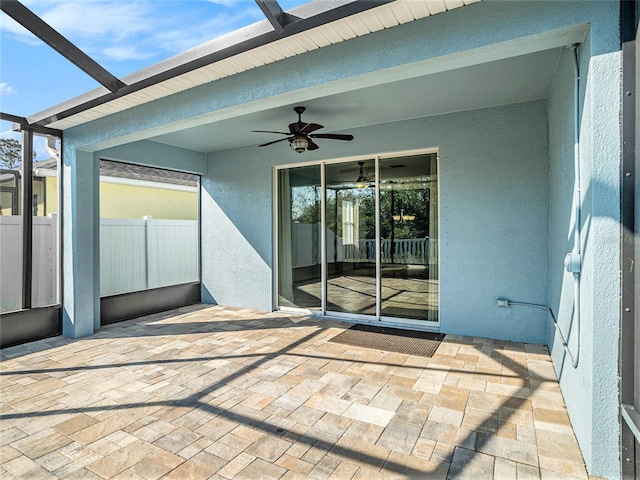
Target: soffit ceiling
(512,80)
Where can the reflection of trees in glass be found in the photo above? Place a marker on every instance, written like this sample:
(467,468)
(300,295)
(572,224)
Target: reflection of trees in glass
(306,209)
(305,204)
(399,203)
(394,202)
(411,202)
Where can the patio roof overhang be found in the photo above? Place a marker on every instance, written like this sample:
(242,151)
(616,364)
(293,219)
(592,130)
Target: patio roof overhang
(514,71)
(281,35)
(517,70)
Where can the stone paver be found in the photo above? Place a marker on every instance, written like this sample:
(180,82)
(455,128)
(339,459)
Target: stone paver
(217,392)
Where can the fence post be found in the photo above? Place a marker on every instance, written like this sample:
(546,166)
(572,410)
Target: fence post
(149,250)
(54,256)
(426,250)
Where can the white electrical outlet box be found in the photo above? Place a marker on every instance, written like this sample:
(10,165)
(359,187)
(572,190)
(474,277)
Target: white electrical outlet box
(572,262)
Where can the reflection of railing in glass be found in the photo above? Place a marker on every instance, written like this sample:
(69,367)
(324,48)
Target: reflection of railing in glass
(412,251)
(409,251)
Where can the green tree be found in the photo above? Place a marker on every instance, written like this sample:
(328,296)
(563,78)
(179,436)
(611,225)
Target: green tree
(11,153)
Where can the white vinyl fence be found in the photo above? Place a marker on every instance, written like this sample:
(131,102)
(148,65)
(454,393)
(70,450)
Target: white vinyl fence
(45,262)
(135,254)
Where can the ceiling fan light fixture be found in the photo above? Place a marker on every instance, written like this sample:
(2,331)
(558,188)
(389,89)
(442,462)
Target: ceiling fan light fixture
(302,134)
(299,144)
(362,181)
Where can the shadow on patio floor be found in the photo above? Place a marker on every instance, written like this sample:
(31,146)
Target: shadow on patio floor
(215,392)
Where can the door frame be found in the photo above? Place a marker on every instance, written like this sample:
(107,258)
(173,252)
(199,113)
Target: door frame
(377,319)
(629,356)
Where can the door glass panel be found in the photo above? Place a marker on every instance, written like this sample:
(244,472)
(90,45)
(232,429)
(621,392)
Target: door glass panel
(351,238)
(299,238)
(409,231)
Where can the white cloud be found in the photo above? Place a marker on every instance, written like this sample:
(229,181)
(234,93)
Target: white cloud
(9,25)
(121,31)
(226,3)
(110,20)
(10,134)
(89,22)
(176,40)
(6,89)
(125,53)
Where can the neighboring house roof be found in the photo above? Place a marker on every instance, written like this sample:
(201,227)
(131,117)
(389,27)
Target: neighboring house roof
(132,172)
(145,85)
(137,172)
(48,164)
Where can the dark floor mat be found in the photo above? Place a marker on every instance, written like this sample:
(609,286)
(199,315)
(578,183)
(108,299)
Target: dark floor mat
(409,342)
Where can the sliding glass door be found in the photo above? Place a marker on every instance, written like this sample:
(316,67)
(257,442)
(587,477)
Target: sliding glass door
(299,238)
(360,238)
(351,239)
(409,232)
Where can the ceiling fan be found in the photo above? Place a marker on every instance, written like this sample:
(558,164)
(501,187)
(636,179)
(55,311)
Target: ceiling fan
(300,134)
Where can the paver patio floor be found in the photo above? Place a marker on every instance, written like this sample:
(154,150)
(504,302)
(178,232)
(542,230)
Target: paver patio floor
(216,392)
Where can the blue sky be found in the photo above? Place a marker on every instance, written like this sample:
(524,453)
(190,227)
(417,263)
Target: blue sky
(123,36)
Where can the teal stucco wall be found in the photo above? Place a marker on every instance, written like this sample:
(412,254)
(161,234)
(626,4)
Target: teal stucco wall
(493,215)
(590,320)
(506,186)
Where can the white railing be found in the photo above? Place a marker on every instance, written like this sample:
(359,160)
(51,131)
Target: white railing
(135,254)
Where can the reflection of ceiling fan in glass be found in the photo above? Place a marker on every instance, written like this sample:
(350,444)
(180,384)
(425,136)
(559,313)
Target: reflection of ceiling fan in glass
(363,181)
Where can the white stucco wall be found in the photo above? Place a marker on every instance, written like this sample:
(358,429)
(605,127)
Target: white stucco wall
(493,216)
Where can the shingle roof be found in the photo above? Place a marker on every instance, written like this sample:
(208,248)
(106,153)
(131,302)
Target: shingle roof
(109,168)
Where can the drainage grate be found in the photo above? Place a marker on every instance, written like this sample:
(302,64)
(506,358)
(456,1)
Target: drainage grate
(409,342)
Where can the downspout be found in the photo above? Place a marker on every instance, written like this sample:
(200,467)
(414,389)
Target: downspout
(51,148)
(55,154)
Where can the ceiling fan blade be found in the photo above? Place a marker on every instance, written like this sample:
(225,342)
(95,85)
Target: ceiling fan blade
(275,141)
(295,127)
(332,136)
(269,131)
(310,127)
(312,146)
